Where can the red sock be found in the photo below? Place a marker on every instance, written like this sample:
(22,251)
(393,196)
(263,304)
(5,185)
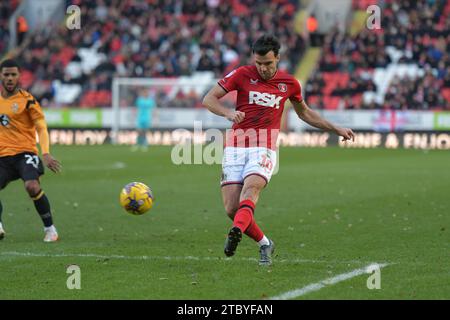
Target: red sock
(244,215)
(254,232)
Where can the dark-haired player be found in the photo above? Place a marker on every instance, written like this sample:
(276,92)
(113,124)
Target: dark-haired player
(21,117)
(249,155)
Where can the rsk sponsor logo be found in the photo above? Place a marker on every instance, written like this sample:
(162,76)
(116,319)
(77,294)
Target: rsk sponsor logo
(264,99)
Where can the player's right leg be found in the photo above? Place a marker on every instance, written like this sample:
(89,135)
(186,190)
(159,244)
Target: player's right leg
(232,168)
(7,174)
(230,196)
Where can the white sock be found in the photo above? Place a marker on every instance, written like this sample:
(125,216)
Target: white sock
(51,228)
(1,226)
(264,241)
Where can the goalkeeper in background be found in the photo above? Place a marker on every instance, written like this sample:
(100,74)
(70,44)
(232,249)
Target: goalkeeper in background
(20,117)
(145,103)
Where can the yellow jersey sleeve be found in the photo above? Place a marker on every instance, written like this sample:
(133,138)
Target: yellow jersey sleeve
(34,109)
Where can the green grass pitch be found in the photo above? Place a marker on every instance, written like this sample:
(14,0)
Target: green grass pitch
(330,211)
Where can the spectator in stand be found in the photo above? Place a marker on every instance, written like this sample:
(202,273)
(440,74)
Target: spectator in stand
(312,26)
(447,79)
(347,104)
(22,29)
(318,104)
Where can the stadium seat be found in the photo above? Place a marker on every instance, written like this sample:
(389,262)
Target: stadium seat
(90,58)
(92,98)
(446,94)
(74,69)
(357,100)
(66,93)
(26,78)
(312,99)
(331,103)
(363,4)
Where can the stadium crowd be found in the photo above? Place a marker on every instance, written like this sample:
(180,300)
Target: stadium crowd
(419,30)
(172,38)
(154,38)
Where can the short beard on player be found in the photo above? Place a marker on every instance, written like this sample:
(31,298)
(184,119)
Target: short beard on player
(6,87)
(268,76)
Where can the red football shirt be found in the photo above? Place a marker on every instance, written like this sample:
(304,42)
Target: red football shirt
(263,103)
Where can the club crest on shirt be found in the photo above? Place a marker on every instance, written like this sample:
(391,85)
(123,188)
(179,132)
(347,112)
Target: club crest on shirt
(282,87)
(15,107)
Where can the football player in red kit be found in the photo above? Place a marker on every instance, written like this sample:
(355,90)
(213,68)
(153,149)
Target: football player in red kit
(250,148)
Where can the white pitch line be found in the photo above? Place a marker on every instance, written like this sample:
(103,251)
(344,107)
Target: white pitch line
(327,282)
(98,256)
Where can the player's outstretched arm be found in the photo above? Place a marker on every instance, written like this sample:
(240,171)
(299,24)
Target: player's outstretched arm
(211,101)
(314,119)
(47,158)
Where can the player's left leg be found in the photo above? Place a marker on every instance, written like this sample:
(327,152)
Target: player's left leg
(142,128)
(257,174)
(30,168)
(144,143)
(253,185)
(42,206)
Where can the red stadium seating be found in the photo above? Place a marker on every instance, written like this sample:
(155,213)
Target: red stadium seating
(446,94)
(100,98)
(26,78)
(363,4)
(331,103)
